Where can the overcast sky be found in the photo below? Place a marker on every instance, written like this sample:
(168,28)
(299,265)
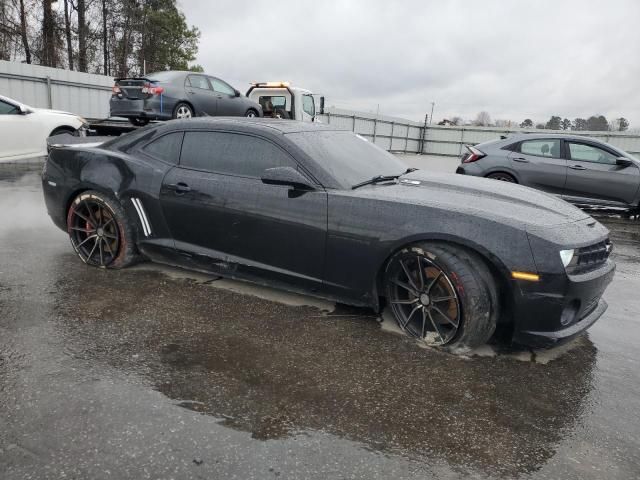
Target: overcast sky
(514,59)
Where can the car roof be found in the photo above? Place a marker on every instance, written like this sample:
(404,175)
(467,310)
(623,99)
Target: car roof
(517,137)
(274,125)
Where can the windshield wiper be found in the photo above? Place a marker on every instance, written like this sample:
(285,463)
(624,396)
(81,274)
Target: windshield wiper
(382,178)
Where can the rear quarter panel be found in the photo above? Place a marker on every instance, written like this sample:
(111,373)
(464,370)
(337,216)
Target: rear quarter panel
(70,171)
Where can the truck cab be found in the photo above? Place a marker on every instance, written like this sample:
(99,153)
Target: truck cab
(281,100)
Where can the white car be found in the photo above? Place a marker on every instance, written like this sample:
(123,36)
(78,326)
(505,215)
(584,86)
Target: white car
(24,130)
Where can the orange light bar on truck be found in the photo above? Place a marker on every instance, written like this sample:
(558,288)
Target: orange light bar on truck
(270,84)
(531,277)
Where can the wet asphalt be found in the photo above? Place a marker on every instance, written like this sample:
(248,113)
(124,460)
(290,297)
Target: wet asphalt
(161,373)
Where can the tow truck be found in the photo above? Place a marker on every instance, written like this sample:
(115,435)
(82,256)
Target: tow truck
(281,100)
(278,100)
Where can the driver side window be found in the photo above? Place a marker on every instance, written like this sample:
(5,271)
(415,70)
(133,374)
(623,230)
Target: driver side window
(7,108)
(221,87)
(308,106)
(587,153)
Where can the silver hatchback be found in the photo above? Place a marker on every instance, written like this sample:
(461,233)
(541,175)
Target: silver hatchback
(582,170)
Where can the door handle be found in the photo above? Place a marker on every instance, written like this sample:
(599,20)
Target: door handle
(179,187)
(190,92)
(520,159)
(577,167)
(218,96)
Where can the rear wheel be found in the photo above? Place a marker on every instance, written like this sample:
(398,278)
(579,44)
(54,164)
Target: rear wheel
(139,121)
(442,295)
(503,177)
(183,110)
(100,232)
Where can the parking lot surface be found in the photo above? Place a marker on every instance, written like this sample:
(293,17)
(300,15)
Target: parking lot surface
(153,372)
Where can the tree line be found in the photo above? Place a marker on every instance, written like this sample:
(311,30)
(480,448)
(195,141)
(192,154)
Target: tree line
(593,123)
(112,37)
(597,123)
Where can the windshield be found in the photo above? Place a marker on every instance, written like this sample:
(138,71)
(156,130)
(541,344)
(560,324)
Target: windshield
(348,157)
(166,76)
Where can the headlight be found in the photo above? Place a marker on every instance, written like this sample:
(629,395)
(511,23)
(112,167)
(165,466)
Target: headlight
(566,256)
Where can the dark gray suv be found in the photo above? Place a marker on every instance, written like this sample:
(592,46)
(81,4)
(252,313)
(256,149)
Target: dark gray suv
(175,94)
(582,170)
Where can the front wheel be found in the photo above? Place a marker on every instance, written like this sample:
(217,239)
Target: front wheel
(251,113)
(100,232)
(442,295)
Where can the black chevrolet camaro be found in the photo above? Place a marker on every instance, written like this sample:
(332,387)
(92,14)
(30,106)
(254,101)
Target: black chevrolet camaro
(309,208)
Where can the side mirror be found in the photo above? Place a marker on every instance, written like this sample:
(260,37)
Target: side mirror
(321,105)
(623,162)
(237,93)
(22,110)
(286,176)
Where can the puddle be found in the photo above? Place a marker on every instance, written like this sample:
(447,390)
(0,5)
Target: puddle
(245,288)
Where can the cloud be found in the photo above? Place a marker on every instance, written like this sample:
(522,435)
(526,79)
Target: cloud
(513,59)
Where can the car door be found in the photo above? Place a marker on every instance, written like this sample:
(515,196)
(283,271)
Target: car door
(593,174)
(228,103)
(22,133)
(540,164)
(201,95)
(218,209)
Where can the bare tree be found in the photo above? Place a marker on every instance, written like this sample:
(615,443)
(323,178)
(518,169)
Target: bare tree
(23,32)
(48,52)
(82,35)
(483,119)
(105,48)
(67,33)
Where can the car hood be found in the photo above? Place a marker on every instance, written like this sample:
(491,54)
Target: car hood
(52,112)
(491,199)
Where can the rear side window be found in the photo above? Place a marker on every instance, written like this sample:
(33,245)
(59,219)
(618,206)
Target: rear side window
(541,148)
(198,81)
(166,148)
(232,154)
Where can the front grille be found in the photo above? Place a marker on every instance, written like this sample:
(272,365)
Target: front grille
(589,258)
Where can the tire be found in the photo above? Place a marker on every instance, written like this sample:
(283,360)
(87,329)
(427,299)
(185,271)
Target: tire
(183,110)
(503,177)
(139,121)
(100,232)
(454,306)
(61,130)
(251,113)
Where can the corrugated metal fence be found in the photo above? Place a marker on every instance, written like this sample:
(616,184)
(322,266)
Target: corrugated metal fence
(88,95)
(43,87)
(400,135)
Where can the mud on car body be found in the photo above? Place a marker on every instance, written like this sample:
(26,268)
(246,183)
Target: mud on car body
(311,209)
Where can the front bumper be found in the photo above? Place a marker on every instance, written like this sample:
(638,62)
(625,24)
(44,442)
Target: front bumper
(560,306)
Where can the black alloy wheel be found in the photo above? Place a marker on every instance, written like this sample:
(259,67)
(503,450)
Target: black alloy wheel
(424,300)
(94,231)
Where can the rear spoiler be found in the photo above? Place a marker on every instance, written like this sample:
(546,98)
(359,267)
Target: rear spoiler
(134,78)
(72,141)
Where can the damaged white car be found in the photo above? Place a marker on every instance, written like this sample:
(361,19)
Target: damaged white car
(24,130)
